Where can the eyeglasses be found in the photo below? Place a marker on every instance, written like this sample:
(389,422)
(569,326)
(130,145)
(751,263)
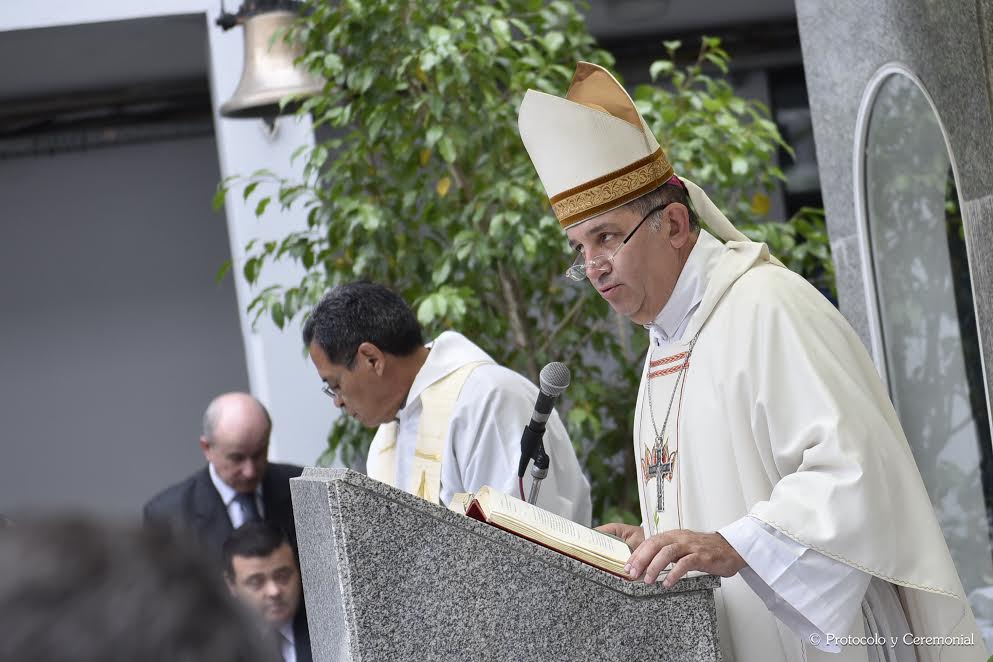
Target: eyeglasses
(330,392)
(580,270)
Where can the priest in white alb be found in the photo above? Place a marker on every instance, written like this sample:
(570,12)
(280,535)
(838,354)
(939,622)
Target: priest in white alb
(768,451)
(449,417)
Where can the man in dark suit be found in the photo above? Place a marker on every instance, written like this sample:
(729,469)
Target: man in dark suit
(238,485)
(261,571)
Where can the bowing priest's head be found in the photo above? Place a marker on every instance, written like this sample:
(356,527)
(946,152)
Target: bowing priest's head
(606,176)
(367,346)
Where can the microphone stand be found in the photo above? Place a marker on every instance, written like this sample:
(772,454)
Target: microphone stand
(539,470)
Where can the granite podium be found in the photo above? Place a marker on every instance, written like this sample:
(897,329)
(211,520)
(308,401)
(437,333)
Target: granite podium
(389,576)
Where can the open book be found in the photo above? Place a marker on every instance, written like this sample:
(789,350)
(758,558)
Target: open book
(548,529)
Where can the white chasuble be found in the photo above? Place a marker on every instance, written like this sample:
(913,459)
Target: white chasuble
(781,417)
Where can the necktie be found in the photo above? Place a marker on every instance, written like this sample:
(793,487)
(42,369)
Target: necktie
(248,508)
(286,647)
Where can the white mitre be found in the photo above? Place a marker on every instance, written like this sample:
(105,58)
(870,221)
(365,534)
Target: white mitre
(592,149)
(594,152)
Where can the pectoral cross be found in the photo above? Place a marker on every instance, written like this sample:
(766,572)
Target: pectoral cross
(660,465)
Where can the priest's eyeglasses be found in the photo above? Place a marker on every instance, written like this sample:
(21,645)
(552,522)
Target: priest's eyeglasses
(580,270)
(330,392)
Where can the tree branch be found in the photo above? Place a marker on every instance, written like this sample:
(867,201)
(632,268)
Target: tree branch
(510,289)
(565,320)
(582,343)
(461,180)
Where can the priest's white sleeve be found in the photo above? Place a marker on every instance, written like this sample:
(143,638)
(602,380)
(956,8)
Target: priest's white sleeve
(812,594)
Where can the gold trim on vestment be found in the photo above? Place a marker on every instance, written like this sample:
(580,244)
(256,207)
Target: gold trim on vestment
(612,190)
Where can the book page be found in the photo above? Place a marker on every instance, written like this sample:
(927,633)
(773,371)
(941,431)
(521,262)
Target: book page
(498,505)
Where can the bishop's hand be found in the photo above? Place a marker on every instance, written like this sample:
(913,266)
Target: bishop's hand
(630,534)
(689,550)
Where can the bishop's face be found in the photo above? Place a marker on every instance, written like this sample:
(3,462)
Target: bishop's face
(639,279)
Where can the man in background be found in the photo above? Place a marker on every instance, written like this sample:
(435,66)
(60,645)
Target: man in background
(238,485)
(261,571)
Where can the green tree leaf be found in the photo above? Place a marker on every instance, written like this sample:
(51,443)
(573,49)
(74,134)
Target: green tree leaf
(219,195)
(247,193)
(222,271)
(553,41)
(446,148)
(660,67)
(261,206)
(426,311)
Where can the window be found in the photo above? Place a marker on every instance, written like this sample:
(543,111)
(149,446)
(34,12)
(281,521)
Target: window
(925,327)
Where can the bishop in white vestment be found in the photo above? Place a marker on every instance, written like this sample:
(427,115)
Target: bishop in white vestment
(768,451)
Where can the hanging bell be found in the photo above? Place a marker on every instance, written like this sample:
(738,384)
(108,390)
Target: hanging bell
(269,73)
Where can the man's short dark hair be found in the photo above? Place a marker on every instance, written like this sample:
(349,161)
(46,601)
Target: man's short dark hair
(354,313)
(665,194)
(75,590)
(252,540)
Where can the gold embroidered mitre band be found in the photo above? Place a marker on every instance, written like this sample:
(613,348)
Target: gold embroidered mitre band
(592,149)
(612,190)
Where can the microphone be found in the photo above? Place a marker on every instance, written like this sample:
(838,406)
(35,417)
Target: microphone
(552,381)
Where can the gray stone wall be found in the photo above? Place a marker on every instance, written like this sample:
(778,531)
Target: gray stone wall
(947,44)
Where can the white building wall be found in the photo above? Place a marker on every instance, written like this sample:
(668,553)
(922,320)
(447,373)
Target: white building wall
(278,371)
